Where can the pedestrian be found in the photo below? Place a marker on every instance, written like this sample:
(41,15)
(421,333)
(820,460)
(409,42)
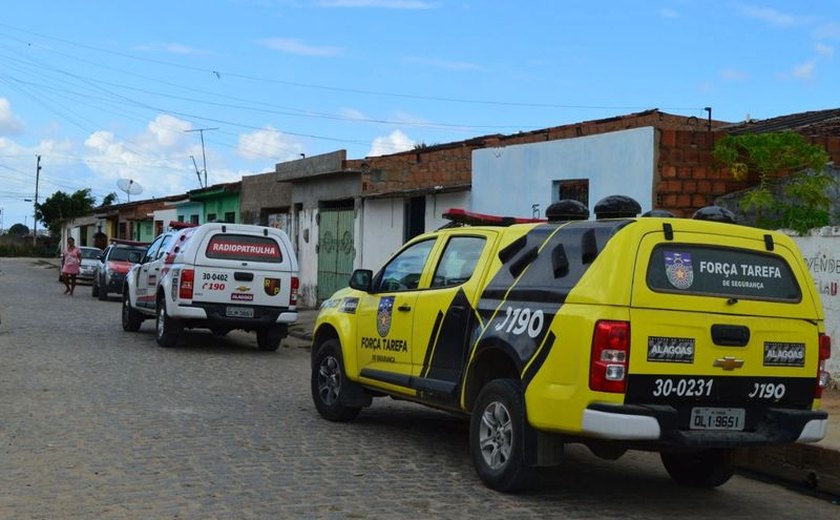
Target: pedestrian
(72,260)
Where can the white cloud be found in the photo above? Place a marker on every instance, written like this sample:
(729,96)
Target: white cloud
(157,159)
(733,75)
(804,70)
(353,114)
(395,142)
(772,16)
(268,145)
(172,48)
(167,131)
(828,31)
(668,13)
(293,46)
(10,124)
(441,64)
(385,4)
(824,50)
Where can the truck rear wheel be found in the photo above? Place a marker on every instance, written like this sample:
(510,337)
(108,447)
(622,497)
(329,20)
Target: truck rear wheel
(166,328)
(269,338)
(701,469)
(497,437)
(327,383)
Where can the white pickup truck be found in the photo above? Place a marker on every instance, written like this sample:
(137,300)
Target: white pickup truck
(215,276)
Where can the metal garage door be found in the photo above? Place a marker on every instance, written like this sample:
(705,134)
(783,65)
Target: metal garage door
(335,250)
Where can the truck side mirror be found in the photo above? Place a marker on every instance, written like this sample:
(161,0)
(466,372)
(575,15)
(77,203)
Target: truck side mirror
(361,279)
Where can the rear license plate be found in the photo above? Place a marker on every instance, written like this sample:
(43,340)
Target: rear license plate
(239,312)
(717,418)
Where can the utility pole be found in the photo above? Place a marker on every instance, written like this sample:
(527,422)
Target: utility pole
(35,206)
(203,157)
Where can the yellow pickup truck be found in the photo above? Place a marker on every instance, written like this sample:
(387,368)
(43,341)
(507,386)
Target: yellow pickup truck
(680,336)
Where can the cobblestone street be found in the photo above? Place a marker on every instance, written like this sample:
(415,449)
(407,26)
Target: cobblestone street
(99,423)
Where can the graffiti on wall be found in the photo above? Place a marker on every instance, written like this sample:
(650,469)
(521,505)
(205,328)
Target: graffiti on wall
(825,270)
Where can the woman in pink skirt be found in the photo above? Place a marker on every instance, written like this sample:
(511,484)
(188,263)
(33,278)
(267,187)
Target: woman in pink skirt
(70,265)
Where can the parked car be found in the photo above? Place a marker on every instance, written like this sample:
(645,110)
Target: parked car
(113,265)
(90,261)
(685,337)
(216,276)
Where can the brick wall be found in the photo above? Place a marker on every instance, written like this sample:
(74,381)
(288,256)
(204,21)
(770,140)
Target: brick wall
(451,164)
(686,177)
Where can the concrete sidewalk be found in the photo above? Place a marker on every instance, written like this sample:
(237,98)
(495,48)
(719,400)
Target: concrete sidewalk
(815,466)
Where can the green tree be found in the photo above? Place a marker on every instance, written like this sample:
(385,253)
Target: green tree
(60,206)
(18,230)
(109,199)
(763,159)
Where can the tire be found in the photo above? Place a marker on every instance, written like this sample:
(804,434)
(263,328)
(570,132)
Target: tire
(103,291)
(497,437)
(94,289)
(166,329)
(269,338)
(702,469)
(327,383)
(131,319)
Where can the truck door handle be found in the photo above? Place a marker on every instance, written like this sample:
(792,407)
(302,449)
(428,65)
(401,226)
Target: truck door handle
(730,335)
(404,308)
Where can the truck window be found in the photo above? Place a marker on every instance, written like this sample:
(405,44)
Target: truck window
(458,261)
(720,271)
(404,270)
(246,248)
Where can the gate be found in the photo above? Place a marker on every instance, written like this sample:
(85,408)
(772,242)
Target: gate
(335,250)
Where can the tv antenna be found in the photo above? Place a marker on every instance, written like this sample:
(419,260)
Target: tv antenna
(203,156)
(130,187)
(197,171)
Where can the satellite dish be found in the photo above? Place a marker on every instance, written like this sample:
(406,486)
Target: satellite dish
(130,187)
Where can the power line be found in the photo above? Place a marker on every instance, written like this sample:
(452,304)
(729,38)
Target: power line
(221,73)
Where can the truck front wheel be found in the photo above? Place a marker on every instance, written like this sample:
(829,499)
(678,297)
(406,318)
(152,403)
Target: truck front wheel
(328,384)
(497,437)
(131,319)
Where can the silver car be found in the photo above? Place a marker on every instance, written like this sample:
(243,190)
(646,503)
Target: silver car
(90,261)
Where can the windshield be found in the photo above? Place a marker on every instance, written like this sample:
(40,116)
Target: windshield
(91,253)
(120,254)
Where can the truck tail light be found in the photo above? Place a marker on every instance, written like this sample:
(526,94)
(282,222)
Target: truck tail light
(610,355)
(185,284)
(293,291)
(823,376)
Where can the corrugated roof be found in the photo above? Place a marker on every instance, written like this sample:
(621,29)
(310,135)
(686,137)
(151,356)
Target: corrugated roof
(818,123)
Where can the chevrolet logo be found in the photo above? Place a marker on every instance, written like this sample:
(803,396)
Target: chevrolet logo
(728,363)
(242,288)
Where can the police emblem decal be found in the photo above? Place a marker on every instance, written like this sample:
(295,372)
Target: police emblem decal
(678,269)
(271,286)
(383,317)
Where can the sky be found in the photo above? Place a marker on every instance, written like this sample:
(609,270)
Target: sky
(115,92)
